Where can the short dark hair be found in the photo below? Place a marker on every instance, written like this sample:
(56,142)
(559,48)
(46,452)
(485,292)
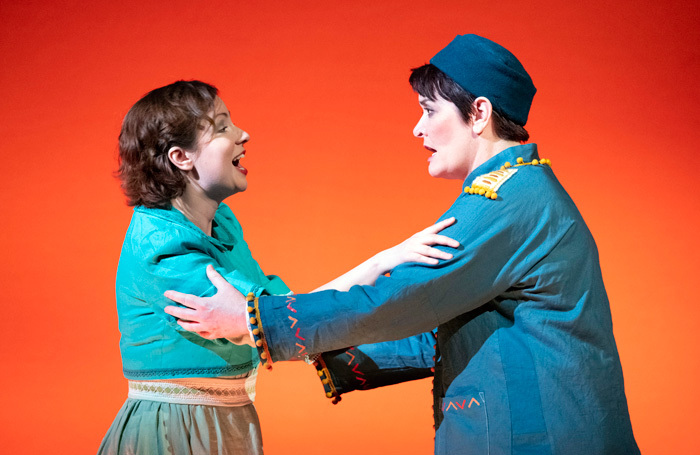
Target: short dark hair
(429,82)
(170,116)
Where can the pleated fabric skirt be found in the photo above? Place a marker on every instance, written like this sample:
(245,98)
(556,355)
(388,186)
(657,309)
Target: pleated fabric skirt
(144,427)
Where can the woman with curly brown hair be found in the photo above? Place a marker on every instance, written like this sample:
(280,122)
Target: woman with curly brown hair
(180,157)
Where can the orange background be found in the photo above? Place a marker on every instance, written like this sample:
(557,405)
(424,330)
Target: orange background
(335,176)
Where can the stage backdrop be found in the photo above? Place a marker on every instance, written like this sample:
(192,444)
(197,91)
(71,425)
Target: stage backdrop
(335,176)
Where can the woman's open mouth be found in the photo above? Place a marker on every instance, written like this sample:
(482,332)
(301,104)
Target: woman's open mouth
(237,164)
(431,150)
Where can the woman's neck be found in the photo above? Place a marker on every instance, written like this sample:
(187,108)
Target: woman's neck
(198,208)
(489,149)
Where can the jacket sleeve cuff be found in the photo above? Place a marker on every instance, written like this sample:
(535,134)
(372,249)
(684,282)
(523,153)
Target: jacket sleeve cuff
(370,366)
(256,330)
(329,387)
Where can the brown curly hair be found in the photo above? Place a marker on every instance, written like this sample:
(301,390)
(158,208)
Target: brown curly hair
(170,116)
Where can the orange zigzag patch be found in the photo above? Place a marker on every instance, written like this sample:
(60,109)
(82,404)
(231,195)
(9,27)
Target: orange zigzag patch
(456,404)
(353,357)
(291,300)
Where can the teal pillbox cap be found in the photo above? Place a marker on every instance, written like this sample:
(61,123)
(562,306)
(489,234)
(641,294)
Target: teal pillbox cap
(487,69)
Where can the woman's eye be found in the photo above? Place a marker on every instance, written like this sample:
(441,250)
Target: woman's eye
(223,129)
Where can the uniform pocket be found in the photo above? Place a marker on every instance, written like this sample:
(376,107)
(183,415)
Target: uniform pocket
(465,425)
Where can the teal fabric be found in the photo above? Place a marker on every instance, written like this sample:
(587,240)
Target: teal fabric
(526,358)
(153,427)
(164,250)
(380,364)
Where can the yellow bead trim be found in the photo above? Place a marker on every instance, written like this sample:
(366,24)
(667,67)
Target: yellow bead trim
(487,184)
(256,329)
(325,376)
(522,162)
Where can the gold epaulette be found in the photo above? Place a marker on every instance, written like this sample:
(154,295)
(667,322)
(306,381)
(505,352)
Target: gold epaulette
(487,184)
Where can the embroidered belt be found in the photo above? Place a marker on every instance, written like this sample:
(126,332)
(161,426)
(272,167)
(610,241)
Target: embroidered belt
(237,391)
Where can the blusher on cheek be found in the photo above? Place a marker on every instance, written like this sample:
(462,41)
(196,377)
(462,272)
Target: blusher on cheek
(440,133)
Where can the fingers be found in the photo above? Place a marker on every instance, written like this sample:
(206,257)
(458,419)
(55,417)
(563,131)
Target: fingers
(196,328)
(220,283)
(426,260)
(179,312)
(215,277)
(434,253)
(433,238)
(439,226)
(189,326)
(436,239)
(184,299)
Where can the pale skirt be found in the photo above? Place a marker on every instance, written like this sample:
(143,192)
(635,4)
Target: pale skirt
(153,424)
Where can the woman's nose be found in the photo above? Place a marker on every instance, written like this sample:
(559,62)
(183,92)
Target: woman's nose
(418,129)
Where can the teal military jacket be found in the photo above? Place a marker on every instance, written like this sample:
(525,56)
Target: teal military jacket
(164,250)
(526,361)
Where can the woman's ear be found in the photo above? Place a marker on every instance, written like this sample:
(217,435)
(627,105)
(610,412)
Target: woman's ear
(482,117)
(180,158)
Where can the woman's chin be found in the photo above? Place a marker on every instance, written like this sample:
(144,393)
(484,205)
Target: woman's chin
(436,172)
(239,189)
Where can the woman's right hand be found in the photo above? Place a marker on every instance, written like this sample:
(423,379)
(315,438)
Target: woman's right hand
(223,315)
(419,247)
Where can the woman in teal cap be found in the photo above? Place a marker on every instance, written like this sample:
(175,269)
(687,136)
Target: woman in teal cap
(525,358)
(180,157)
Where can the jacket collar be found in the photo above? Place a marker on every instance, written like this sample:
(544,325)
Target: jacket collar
(221,238)
(527,152)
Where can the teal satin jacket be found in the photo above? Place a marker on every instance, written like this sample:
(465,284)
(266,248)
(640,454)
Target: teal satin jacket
(164,250)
